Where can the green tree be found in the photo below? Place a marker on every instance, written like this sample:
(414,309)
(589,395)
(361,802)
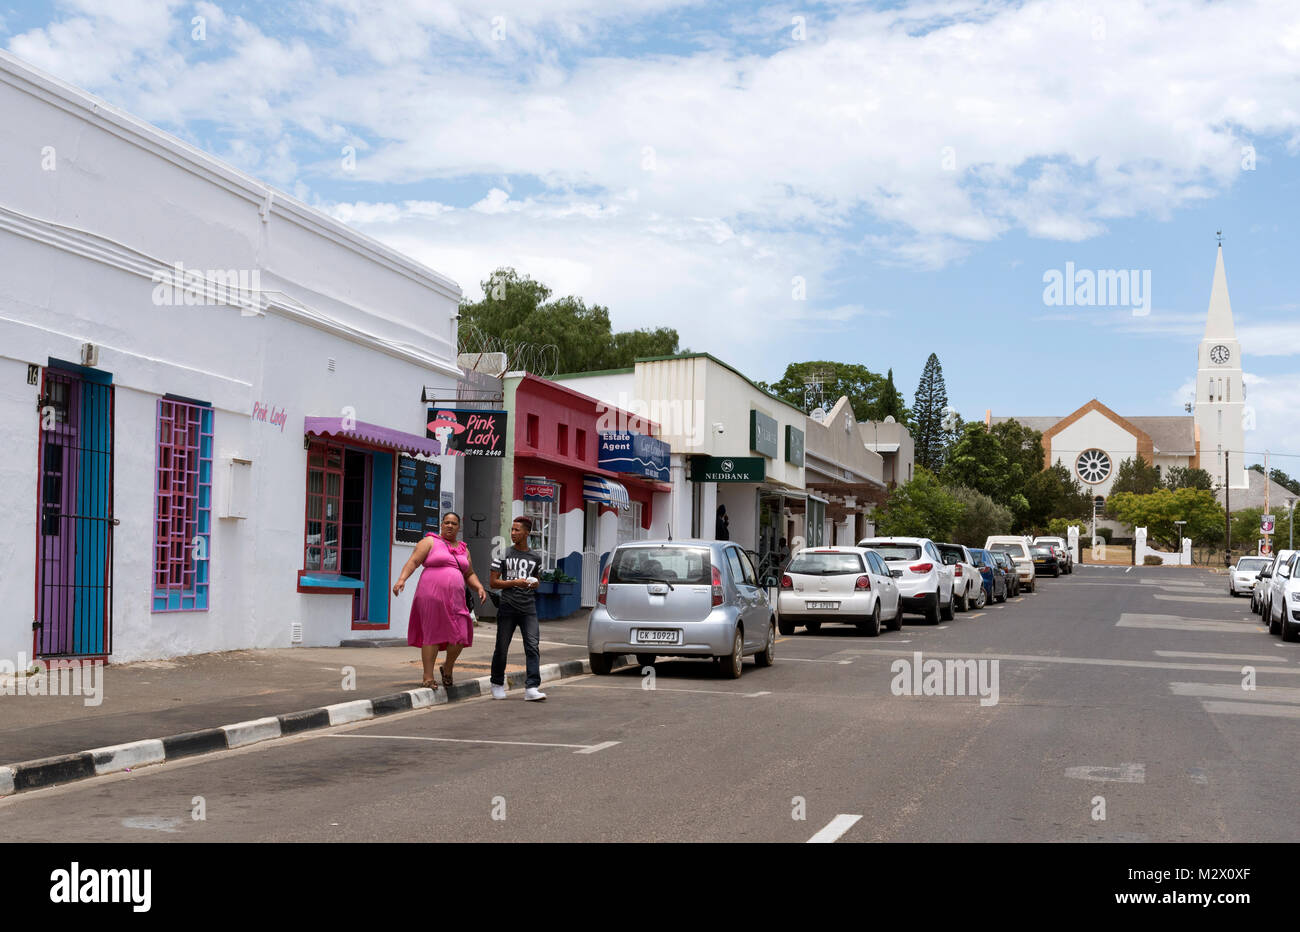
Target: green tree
(920,507)
(977,460)
(1023,449)
(1157,511)
(928,411)
(864,388)
(1184,477)
(980,519)
(517,311)
(890,403)
(1136,475)
(1245,528)
(1052,493)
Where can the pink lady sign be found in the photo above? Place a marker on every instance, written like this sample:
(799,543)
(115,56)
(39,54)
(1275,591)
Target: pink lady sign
(468,433)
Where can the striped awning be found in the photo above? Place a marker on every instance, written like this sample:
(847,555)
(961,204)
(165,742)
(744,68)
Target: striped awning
(605,491)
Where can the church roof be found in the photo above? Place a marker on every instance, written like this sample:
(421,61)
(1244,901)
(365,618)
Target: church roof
(1218,324)
(1253,497)
(1171,435)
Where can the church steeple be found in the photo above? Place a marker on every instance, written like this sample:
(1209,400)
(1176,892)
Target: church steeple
(1218,325)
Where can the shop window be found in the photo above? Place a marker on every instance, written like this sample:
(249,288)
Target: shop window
(580,445)
(562,439)
(531,430)
(182,506)
(544,533)
(629,524)
(324,528)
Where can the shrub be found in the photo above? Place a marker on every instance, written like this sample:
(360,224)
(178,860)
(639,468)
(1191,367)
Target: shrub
(1151,560)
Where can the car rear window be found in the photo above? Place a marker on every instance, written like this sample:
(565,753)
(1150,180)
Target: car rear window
(825,564)
(1011,549)
(890,551)
(951,555)
(688,565)
(1251,565)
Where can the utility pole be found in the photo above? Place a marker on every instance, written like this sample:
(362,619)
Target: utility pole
(1267,483)
(1227,513)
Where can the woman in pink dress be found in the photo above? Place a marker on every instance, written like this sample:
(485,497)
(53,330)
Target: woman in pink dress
(439,618)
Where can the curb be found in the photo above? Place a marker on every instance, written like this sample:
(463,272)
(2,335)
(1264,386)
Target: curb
(68,768)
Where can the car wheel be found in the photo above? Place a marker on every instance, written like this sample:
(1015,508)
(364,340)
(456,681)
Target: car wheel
(1056,573)
(812,627)
(871,627)
(730,665)
(645,660)
(1274,627)
(767,656)
(897,623)
(982,599)
(1290,631)
(947,611)
(786,627)
(932,610)
(602,664)
(962,604)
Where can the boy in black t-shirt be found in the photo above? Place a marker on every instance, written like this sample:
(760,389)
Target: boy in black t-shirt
(515,574)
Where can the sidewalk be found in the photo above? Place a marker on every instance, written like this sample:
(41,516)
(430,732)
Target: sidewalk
(155,699)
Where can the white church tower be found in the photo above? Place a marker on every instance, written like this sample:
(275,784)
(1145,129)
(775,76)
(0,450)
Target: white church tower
(1220,392)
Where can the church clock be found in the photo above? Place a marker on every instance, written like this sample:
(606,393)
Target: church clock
(1220,354)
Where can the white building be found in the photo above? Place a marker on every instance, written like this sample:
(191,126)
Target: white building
(1093,440)
(198,460)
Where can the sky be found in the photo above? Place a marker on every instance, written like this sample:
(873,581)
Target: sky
(867,182)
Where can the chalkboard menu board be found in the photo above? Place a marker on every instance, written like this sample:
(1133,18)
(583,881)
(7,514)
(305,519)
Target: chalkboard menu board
(417,499)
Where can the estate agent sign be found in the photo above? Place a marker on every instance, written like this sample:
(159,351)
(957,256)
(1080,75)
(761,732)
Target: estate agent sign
(637,454)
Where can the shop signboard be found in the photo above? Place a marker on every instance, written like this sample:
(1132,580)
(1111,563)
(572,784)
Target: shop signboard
(637,454)
(541,490)
(763,434)
(728,469)
(417,499)
(468,433)
(793,445)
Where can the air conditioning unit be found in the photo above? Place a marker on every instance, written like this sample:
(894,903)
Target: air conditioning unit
(89,355)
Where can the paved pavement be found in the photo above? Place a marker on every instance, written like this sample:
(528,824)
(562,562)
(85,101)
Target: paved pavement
(1120,716)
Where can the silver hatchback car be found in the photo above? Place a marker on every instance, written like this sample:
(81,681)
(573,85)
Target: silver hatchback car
(681,598)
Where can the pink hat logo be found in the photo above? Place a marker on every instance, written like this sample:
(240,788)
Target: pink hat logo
(443,425)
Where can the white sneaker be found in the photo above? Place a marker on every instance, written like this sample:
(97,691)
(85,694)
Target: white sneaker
(498,692)
(532,694)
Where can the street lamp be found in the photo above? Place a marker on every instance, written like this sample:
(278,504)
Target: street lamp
(1179,526)
(1290,513)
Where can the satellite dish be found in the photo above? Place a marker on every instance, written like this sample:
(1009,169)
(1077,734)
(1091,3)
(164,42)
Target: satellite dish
(889,419)
(818,415)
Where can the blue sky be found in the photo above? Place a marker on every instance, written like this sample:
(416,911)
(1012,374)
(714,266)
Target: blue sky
(919,166)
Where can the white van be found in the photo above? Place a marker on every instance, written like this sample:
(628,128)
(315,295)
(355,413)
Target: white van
(1018,549)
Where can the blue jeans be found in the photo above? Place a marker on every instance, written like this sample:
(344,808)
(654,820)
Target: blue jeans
(508,619)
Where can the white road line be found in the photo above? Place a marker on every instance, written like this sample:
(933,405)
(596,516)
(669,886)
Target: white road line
(1251,708)
(834,829)
(584,748)
(809,660)
(1211,655)
(663,689)
(1124,773)
(1235,692)
(1178,623)
(1089,661)
(1129,570)
(1214,600)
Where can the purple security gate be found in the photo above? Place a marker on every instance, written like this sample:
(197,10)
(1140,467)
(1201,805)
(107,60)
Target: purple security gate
(74,552)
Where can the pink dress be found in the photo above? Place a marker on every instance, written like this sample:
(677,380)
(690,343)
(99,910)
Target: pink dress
(438,614)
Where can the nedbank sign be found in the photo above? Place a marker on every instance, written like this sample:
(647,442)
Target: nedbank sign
(728,469)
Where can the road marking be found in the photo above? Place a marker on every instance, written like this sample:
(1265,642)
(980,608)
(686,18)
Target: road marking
(1178,623)
(781,640)
(941,627)
(1234,691)
(976,615)
(153,823)
(1211,655)
(1197,775)
(583,748)
(834,829)
(1124,773)
(807,660)
(1084,661)
(1189,598)
(1129,570)
(1251,708)
(669,689)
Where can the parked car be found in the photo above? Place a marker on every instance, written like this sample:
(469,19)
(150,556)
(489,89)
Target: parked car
(681,598)
(924,580)
(1284,598)
(1276,584)
(1018,549)
(1063,555)
(1243,576)
(1261,589)
(966,579)
(838,584)
(1045,560)
(1007,567)
(991,575)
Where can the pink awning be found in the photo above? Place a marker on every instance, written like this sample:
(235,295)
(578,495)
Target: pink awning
(372,435)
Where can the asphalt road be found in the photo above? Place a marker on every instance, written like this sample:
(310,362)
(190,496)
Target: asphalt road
(1116,690)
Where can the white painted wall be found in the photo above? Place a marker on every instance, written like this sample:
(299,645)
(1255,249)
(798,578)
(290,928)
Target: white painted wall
(1094,430)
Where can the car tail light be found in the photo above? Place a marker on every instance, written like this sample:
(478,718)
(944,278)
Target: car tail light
(603,589)
(717,587)
(786,581)
(921,567)
(864,582)
(957,574)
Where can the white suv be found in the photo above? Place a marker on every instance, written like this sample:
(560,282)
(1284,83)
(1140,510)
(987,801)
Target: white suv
(924,581)
(966,576)
(1284,597)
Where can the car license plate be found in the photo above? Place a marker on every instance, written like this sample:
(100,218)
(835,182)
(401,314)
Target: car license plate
(656,636)
(830,605)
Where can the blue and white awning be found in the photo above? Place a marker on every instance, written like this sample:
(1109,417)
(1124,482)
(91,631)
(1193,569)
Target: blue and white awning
(605,491)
